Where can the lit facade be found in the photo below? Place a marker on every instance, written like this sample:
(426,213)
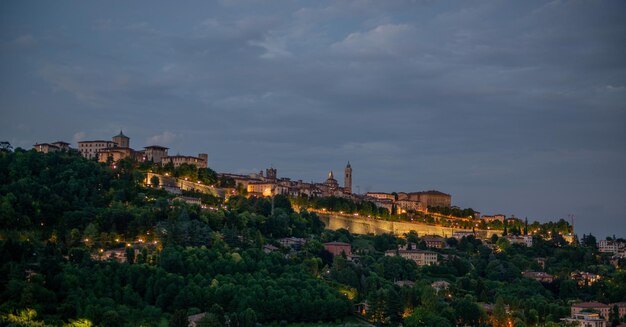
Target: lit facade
(421,258)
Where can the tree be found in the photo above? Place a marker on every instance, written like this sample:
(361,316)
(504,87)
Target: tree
(614,315)
(5,146)
(155,181)
(179,319)
(589,241)
(500,317)
(210,320)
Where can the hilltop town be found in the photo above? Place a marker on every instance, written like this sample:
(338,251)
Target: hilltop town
(180,244)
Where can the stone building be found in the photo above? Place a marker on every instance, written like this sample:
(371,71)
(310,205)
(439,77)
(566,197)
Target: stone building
(51,147)
(347,185)
(90,149)
(601,308)
(337,248)
(155,153)
(421,257)
(432,198)
(201,161)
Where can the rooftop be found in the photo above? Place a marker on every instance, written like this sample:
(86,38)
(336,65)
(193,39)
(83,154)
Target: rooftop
(593,305)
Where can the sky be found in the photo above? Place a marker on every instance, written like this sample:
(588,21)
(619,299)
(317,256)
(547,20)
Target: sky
(516,108)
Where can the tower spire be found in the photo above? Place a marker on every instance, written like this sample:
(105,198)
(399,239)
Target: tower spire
(347,182)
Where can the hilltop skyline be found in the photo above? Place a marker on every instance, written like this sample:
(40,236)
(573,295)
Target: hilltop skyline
(511,108)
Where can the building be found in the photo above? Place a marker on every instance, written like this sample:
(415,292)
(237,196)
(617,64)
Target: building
(525,240)
(155,153)
(409,206)
(421,258)
(381,196)
(90,149)
(432,198)
(115,154)
(585,278)
(489,219)
(50,147)
(347,184)
(586,319)
(337,248)
(435,242)
(201,161)
(331,184)
(539,276)
(121,140)
(601,308)
(295,243)
(440,285)
(195,319)
(610,246)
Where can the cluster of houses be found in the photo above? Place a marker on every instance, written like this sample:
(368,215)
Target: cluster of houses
(118,148)
(402,202)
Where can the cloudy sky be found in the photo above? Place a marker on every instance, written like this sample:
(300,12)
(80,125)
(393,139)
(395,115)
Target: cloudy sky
(515,108)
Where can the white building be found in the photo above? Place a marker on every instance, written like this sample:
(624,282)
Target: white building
(421,257)
(91,149)
(526,240)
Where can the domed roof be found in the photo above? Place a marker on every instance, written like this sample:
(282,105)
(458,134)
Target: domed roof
(121,134)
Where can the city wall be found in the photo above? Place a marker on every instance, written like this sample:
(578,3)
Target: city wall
(361,225)
(177,183)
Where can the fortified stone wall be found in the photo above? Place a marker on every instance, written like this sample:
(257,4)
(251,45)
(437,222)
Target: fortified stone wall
(184,185)
(360,225)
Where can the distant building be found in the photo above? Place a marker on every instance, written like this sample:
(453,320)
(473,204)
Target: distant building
(155,153)
(422,258)
(381,196)
(525,240)
(586,319)
(432,198)
(51,147)
(268,248)
(347,184)
(539,276)
(601,308)
(115,154)
(90,149)
(436,242)
(121,140)
(195,319)
(584,278)
(201,161)
(337,248)
(489,219)
(295,243)
(610,246)
(440,285)
(408,205)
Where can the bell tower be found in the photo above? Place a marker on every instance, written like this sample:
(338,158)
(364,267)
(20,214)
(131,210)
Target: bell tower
(347,184)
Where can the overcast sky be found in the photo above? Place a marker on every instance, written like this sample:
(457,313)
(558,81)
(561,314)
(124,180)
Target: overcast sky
(512,107)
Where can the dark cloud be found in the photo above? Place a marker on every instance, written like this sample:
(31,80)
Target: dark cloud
(515,108)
